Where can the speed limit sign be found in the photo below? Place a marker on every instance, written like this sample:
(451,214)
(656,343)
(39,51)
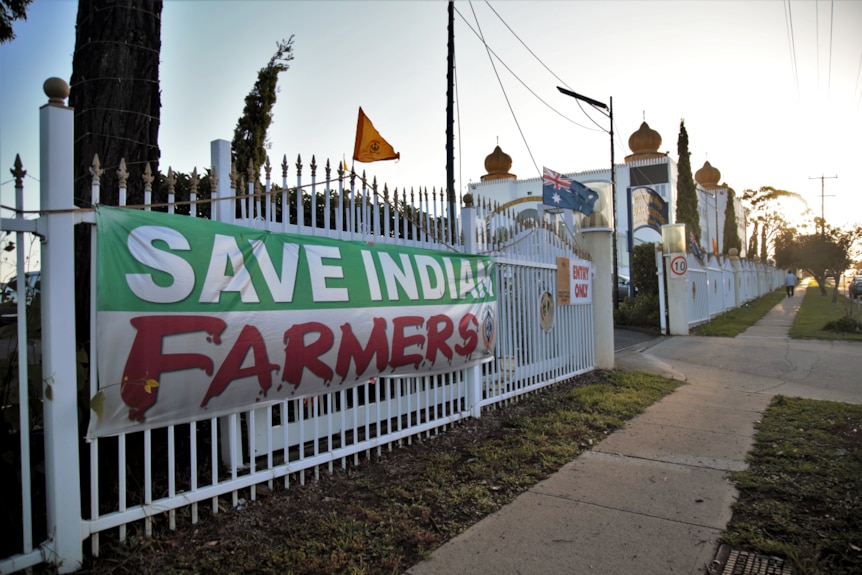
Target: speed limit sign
(678,265)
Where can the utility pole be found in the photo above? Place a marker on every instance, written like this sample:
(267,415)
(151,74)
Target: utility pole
(822,196)
(450,123)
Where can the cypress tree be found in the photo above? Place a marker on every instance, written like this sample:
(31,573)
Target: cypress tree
(249,137)
(731,232)
(752,242)
(686,190)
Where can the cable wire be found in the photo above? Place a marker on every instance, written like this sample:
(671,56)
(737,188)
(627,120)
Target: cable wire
(856,90)
(518,78)
(505,95)
(788,21)
(533,54)
(831,24)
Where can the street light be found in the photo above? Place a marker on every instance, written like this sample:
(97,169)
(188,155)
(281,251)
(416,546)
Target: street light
(609,112)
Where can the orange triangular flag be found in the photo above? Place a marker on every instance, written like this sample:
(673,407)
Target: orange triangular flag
(370,145)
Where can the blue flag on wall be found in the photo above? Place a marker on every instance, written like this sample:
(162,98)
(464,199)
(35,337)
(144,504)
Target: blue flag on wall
(562,192)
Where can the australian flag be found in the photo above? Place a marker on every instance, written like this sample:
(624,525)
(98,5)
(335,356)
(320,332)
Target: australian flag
(562,192)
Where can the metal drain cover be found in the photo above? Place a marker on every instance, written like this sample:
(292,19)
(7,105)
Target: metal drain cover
(736,562)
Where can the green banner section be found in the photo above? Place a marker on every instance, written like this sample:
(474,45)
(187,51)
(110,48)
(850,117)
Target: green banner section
(156,262)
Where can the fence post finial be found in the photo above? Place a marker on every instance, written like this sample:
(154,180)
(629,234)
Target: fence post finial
(57,91)
(96,168)
(195,181)
(148,173)
(122,173)
(19,172)
(172,180)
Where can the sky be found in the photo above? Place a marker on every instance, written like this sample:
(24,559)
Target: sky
(769,91)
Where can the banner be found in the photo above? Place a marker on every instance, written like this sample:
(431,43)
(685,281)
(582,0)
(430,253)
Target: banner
(197,319)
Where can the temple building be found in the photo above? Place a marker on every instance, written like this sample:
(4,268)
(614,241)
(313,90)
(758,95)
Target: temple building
(645,196)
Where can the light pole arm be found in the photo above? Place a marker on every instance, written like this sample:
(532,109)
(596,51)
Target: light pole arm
(610,113)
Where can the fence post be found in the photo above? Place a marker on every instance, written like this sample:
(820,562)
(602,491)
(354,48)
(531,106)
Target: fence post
(473,375)
(60,400)
(733,254)
(222,210)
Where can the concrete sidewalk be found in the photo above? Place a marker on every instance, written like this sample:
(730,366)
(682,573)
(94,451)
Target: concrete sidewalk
(653,497)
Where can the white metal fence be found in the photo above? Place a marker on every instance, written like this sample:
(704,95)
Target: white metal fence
(133,482)
(720,283)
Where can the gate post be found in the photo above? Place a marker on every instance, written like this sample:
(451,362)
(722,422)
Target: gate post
(676,260)
(473,375)
(59,370)
(598,243)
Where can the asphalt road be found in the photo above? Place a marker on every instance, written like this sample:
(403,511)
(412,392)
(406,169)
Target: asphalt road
(624,337)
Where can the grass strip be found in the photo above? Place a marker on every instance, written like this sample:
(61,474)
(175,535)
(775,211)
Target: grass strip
(737,320)
(801,496)
(817,310)
(388,513)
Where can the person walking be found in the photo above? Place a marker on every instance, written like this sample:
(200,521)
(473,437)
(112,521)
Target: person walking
(790,282)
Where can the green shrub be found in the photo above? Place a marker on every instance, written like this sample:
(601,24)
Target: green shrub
(644,274)
(640,311)
(844,325)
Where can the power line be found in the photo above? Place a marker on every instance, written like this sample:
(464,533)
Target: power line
(788,21)
(505,95)
(856,90)
(831,24)
(487,47)
(545,66)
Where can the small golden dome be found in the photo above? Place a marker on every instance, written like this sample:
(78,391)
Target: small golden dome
(497,164)
(708,177)
(644,144)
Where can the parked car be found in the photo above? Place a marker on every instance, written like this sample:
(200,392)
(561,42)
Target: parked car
(855,287)
(31,288)
(623,285)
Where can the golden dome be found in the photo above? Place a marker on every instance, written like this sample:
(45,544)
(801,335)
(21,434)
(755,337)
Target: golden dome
(644,144)
(708,177)
(497,164)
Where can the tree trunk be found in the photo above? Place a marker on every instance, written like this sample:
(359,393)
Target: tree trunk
(115,94)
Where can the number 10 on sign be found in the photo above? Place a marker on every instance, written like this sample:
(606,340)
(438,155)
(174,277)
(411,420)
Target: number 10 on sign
(678,265)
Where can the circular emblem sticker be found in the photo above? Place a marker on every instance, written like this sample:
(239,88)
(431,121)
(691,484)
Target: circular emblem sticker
(546,311)
(489,329)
